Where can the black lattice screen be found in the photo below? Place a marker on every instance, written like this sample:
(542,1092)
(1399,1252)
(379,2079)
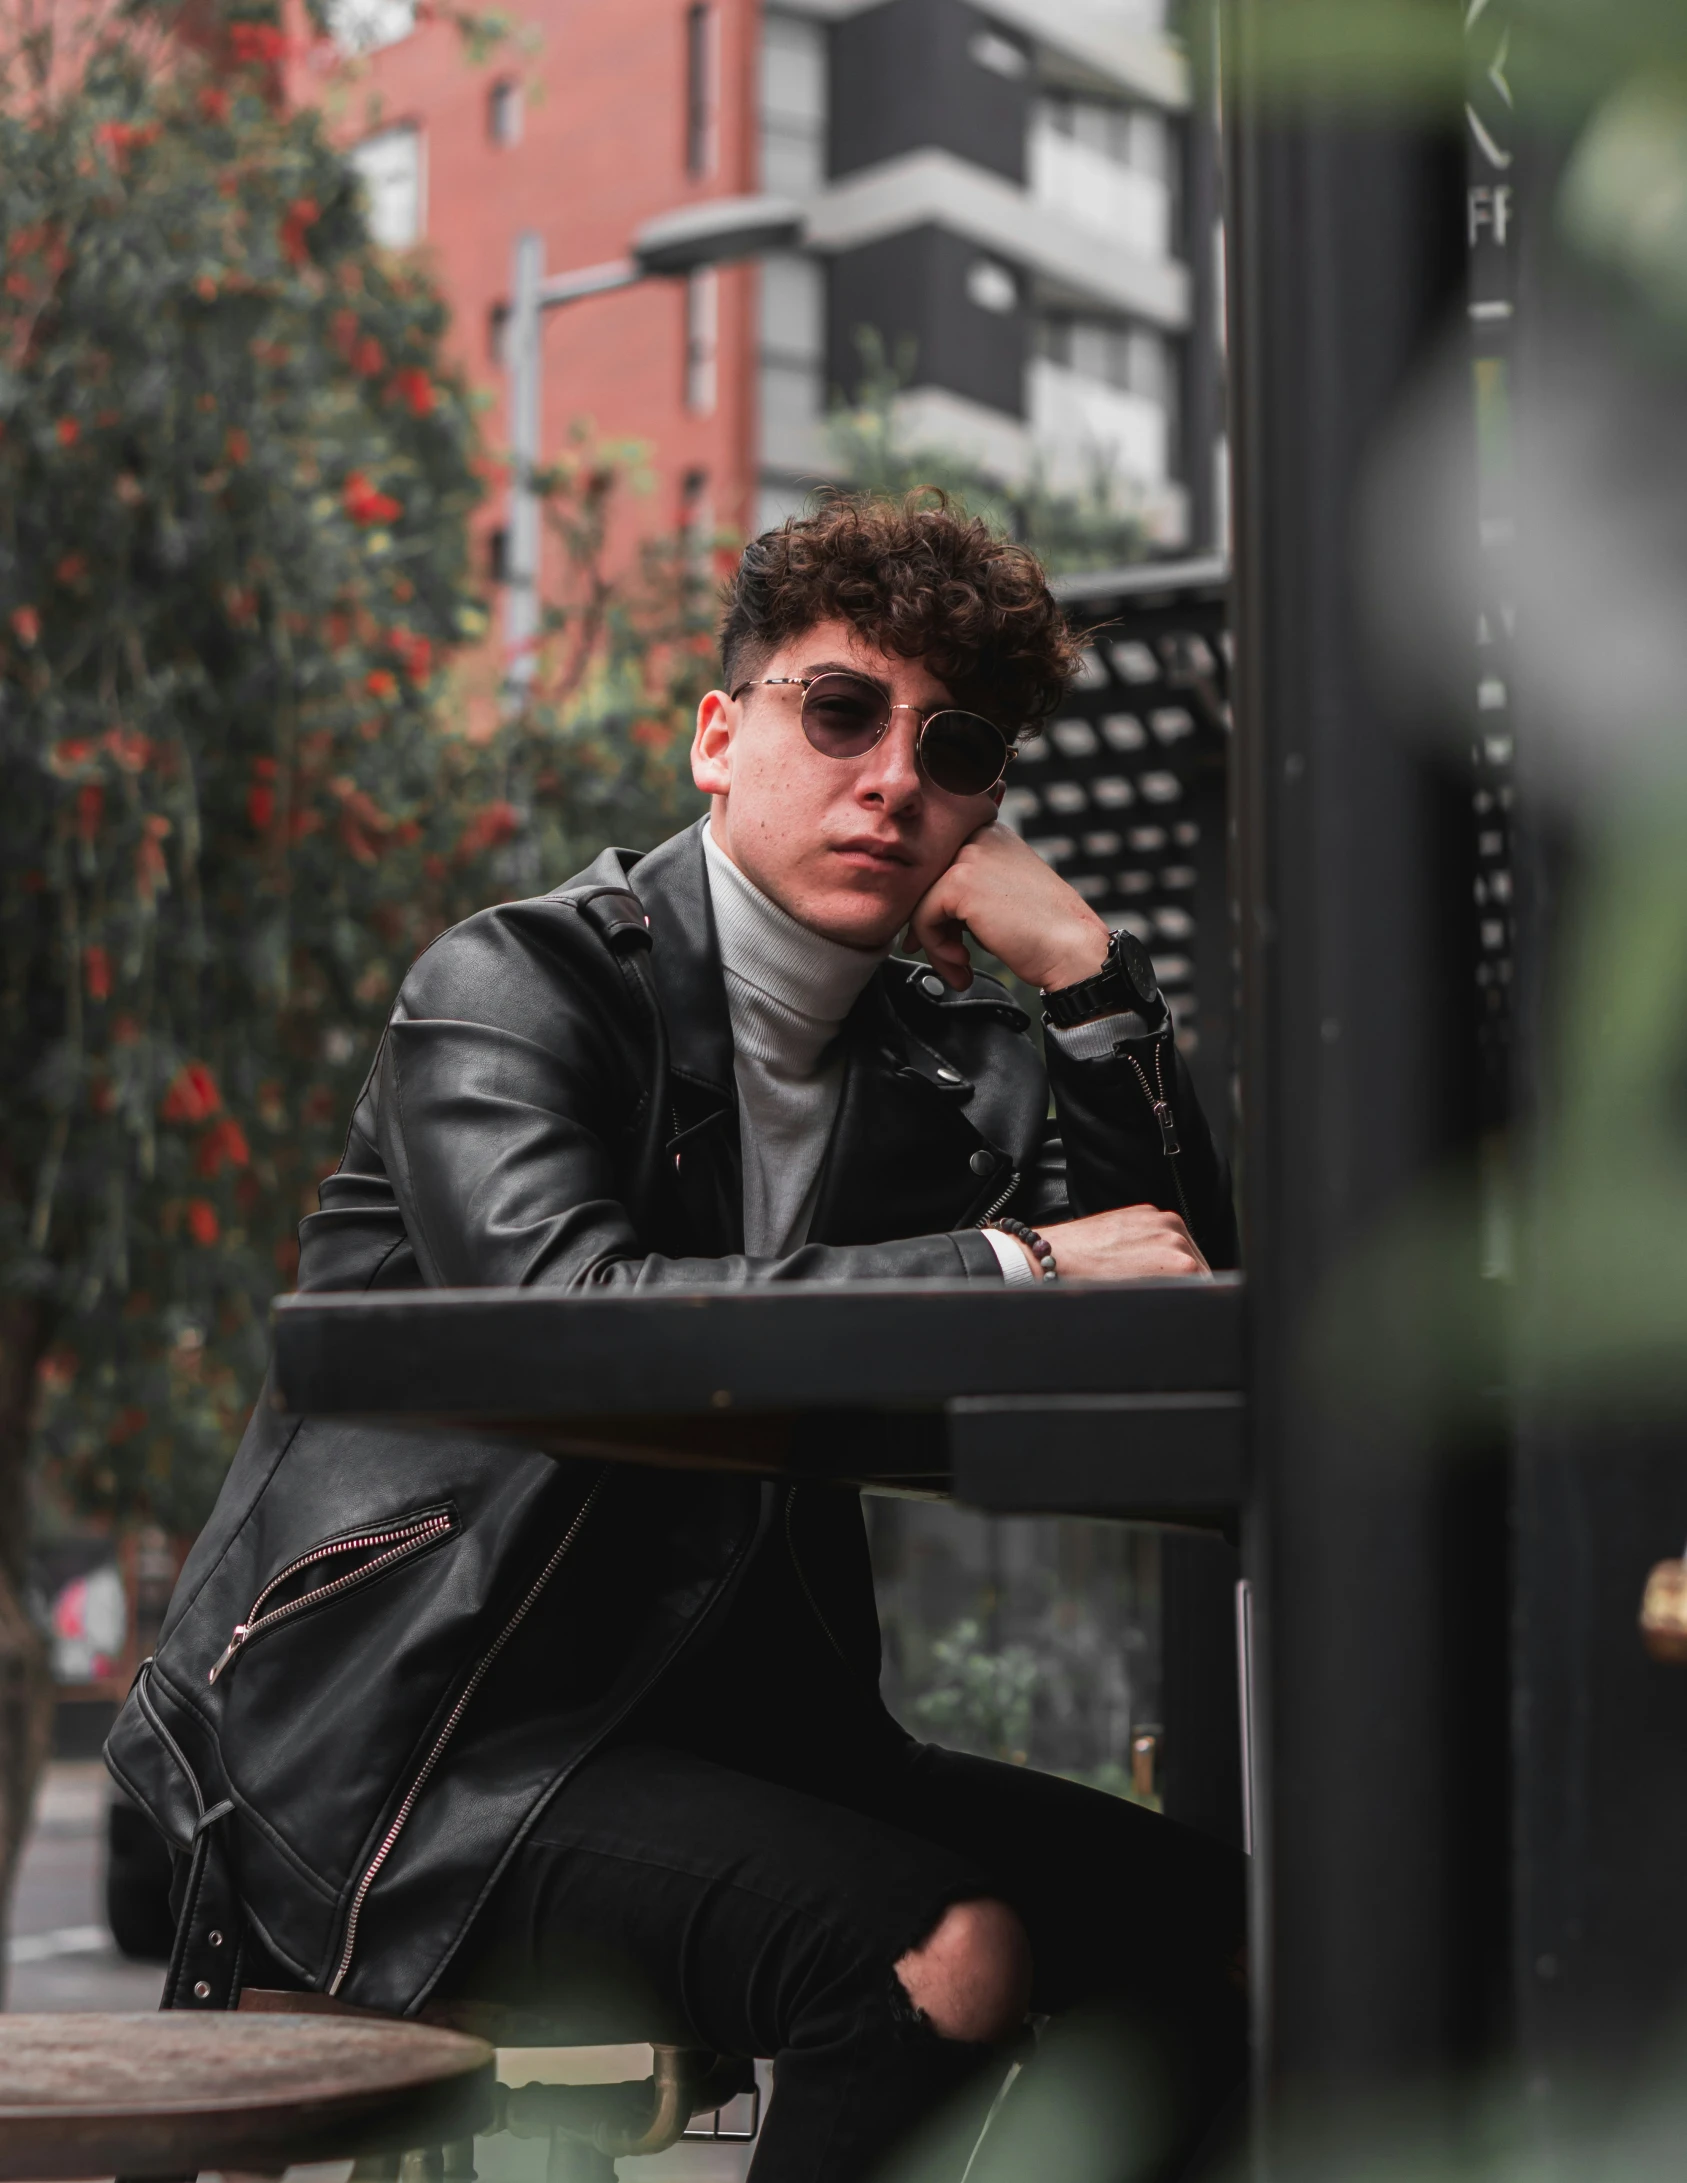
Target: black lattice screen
(1125,793)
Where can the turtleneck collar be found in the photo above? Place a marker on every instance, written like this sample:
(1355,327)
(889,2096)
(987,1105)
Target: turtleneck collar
(802,973)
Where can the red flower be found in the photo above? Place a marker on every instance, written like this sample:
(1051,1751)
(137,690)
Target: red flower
(96,973)
(264,769)
(414,387)
(193,1095)
(122,137)
(72,568)
(150,869)
(68,430)
(90,807)
(223,1141)
(236,445)
(57,1370)
(202,1222)
(131,749)
(366,503)
(368,358)
(260,808)
(415,653)
(381,683)
(26,624)
(256,44)
(301,215)
(213,102)
(491,826)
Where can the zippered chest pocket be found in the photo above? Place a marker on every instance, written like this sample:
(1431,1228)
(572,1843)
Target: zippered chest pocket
(335,1566)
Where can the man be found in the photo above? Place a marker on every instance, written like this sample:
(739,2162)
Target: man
(439,1717)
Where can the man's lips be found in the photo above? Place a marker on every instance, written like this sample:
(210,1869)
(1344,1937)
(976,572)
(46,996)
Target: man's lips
(873,854)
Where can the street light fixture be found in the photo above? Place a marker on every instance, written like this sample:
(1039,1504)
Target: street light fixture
(716,232)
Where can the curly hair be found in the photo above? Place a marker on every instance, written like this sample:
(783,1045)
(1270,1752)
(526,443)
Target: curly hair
(915,579)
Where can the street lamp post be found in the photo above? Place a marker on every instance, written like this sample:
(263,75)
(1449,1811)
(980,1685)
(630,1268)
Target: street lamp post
(716,232)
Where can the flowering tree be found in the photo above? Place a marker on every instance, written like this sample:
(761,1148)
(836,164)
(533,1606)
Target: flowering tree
(233,484)
(235,474)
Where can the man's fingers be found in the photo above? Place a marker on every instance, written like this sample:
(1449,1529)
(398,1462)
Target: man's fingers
(938,929)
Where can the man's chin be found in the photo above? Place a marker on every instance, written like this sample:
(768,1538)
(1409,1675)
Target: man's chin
(864,920)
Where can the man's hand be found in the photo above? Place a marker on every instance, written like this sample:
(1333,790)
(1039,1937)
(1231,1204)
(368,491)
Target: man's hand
(1132,1243)
(1008,899)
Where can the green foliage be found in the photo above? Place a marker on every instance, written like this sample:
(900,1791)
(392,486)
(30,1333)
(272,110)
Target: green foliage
(1069,531)
(235,478)
(979,1700)
(595,750)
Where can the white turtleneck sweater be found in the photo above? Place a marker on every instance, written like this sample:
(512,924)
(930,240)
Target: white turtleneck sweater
(788,991)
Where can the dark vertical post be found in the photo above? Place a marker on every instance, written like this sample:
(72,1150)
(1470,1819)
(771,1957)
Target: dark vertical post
(1376,1545)
(1203,391)
(1201,1776)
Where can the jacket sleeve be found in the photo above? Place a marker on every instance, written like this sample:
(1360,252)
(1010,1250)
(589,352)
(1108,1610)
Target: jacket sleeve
(506,1100)
(1109,1147)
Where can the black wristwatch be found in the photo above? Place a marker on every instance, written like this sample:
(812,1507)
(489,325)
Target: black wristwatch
(1125,982)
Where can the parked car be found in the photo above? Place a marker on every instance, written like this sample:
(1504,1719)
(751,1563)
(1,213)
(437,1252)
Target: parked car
(138,1870)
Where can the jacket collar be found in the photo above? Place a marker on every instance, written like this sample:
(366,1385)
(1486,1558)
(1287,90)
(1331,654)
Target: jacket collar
(672,882)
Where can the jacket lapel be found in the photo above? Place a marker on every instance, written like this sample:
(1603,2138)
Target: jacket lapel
(672,883)
(926,1134)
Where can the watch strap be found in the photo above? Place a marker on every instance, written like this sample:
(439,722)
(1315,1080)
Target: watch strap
(1125,983)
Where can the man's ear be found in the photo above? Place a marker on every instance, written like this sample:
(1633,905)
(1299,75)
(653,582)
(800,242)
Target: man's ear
(711,746)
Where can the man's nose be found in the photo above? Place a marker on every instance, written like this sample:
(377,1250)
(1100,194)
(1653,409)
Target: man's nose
(890,772)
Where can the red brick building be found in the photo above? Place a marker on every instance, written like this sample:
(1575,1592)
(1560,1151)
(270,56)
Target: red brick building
(1005,191)
(611,112)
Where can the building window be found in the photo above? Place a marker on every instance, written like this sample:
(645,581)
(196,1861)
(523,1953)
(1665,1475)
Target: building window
(696,514)
(498,334)
(391,166)
(793,105)
(989,49)
(364,26)
(992,287)
(702,71)
(498,556)
(1104,392)
(503,111)
(1108,165)
(702,332)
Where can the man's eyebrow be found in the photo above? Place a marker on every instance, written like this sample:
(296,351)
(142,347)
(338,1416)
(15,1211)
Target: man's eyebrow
(842,667)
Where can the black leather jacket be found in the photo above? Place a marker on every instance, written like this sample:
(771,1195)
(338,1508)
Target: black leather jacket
(389,1648)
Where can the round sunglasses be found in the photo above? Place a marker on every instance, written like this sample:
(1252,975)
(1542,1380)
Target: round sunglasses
(844,716)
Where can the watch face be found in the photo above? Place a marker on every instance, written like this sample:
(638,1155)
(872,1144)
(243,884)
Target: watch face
(1137,964)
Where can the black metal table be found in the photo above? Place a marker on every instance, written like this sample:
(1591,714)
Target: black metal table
(1101,1399)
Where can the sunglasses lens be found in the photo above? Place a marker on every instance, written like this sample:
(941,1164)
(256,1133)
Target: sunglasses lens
(842,715)
(963,752)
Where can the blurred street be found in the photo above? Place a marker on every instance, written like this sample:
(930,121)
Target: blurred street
(59,1954)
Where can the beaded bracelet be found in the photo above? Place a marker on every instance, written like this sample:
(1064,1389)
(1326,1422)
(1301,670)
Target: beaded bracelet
(1041,1249)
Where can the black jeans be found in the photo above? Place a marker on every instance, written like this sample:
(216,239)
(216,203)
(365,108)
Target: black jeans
(765,1917)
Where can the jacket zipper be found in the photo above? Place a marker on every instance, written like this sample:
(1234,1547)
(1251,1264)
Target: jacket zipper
(994,1207)
(398,1541)
(1155,1094)
(479,1674)
(814,1604)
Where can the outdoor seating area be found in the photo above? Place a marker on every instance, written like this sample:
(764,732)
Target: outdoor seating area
(840,1270)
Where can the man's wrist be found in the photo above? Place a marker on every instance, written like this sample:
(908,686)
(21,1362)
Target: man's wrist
(1079,958)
